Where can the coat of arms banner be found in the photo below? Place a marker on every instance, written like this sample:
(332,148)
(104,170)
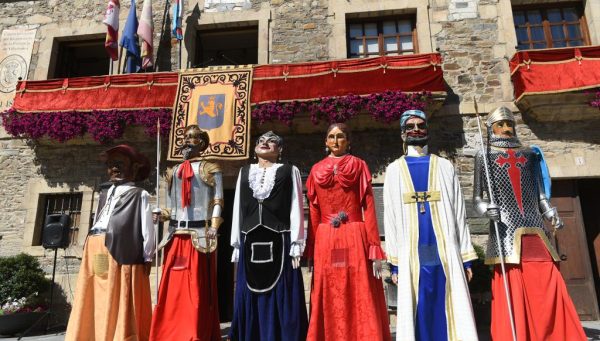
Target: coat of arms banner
(218,101)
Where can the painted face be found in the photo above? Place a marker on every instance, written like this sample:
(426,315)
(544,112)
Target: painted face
(119,168)
(194,143)
(415,131)
(267,148)
(337,142)
(504,128)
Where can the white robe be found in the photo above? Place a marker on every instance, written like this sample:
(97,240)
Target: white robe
(454,245)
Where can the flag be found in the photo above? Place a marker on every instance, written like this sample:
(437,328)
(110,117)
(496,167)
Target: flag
(111,20)
(145,31)
(129,41)
(177,19)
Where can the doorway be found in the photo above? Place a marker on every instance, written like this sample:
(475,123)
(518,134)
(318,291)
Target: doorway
(578,243)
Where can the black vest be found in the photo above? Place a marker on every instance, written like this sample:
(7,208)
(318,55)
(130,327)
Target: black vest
(275,208)
(124,239)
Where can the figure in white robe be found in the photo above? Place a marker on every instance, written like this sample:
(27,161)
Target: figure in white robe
(428,240)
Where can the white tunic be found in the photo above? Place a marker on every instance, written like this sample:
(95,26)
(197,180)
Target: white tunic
(454,246)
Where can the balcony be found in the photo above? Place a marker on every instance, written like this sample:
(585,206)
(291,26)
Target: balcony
(556,84)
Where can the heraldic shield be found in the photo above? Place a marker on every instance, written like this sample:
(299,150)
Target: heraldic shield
(263,258)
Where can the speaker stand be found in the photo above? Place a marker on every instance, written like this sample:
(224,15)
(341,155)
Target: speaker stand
(48,312)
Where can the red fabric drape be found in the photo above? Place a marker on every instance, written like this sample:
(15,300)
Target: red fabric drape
(278,82)
(542,308)
(305,81)
(131,91)
(555,70)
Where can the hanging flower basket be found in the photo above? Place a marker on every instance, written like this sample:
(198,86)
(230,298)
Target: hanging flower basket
(383,107)
(103,126)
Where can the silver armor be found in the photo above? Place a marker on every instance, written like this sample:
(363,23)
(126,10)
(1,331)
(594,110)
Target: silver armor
(518,192)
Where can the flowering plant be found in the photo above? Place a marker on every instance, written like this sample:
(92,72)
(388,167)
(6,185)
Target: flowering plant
(596,101)
(22,278)
(22,305)
(384,107)
(103,126)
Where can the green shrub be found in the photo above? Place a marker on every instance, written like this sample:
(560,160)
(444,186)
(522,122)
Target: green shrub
(21,276)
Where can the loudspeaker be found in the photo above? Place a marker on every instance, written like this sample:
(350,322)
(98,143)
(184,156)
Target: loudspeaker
(56,231)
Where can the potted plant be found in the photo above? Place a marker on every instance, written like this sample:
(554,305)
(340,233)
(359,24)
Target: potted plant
(21,305)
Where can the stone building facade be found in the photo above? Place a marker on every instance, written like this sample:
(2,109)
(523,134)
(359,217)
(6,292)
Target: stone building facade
(476,39)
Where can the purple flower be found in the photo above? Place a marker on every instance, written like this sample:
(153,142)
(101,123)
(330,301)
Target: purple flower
(103,126)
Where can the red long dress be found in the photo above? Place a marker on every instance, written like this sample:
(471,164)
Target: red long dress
(347,301)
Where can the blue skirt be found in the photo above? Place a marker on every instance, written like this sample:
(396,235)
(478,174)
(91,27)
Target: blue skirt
(276,315)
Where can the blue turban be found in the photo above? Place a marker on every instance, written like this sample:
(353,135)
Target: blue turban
(411,113)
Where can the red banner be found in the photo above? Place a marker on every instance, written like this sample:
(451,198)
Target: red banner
(278,82)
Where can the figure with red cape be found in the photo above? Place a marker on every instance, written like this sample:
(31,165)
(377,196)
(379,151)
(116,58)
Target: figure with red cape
(347,300)
(541,306)
(187,305)
(268,240)
(112,301)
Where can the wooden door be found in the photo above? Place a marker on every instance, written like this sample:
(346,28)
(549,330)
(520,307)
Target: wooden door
(572,247)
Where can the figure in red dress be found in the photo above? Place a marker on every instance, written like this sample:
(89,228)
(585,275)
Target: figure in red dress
(347,301)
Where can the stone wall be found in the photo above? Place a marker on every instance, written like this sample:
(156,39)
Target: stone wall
(300,31)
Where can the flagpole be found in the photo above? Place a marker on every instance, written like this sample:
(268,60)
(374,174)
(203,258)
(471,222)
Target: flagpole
(179,60)
(157,209)
(120,57)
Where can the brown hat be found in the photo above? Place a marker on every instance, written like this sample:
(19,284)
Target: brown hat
(134,156)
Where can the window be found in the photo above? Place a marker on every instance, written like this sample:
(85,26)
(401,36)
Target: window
(81,58)
(63,203)
(387,36)
(236,46)
(550,27)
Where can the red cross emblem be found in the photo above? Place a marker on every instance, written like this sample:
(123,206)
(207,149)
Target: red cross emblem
(514,173)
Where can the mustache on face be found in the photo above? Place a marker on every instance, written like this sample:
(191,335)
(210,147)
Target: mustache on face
(417,134)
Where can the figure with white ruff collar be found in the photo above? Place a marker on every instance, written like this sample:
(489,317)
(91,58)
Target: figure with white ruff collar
(427,241)
(267,237)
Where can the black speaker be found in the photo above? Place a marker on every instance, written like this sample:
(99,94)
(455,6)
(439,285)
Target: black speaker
(56,231)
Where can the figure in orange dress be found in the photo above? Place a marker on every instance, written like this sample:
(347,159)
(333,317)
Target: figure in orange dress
(112,301)
(347,300)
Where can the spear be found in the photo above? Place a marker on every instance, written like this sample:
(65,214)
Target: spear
(157,209)
(492,202)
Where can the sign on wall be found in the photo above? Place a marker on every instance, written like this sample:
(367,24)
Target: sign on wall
(16,47)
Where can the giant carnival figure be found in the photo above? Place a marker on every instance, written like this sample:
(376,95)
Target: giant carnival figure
(112,300)
(187,307)
(530,291)
(268,240)
(346,301)
(427,241)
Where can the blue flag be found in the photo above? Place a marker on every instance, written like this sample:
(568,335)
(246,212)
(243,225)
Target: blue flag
(129,42)
(177,19)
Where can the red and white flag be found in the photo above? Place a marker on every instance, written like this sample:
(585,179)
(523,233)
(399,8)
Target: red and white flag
(111,19)
(145,31)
